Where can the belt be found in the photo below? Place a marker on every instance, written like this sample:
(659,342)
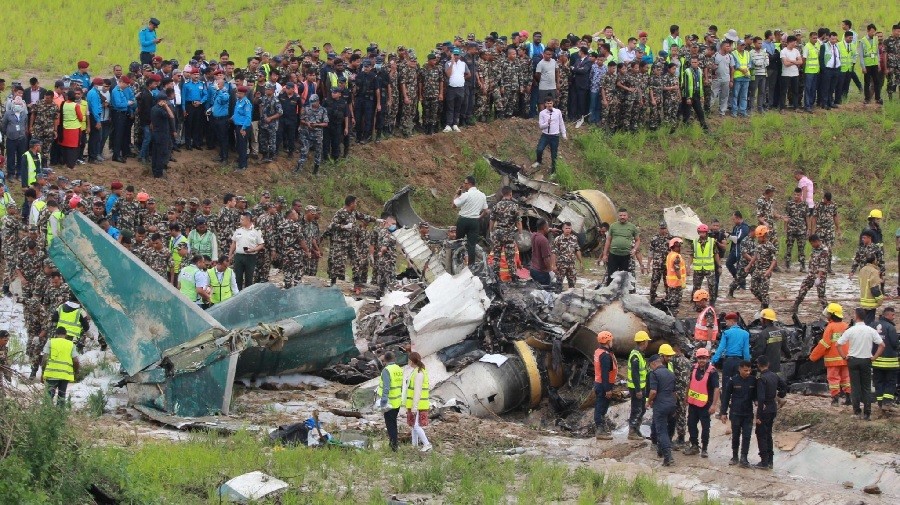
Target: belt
(734,357)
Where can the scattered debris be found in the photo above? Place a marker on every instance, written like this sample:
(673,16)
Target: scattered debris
(251,486)
(873,489)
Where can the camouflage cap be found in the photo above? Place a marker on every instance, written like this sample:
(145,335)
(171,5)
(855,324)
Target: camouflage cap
(662,224)
(98,201)
(194,200)
(240,198)
(48,262)
(270,85)
(151,200)
(258,51)
(280,199)
(424,224)
(266,194)
(266,205)
(180,201)
(769,188)
(311,208)
(146,67)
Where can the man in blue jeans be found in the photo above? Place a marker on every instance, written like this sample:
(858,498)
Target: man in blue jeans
(661,383)
(742,76)
(605,371)
(552,127)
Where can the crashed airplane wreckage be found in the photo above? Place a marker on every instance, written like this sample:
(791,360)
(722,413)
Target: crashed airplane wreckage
(180,359)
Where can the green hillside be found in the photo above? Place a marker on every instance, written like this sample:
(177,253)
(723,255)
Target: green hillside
(51,35)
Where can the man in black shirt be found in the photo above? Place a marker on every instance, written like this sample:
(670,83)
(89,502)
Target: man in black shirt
(771,341)
(162,128)
(739,394)
(145,103)
(338,125)
(290,116)
(768,386)
(661,383)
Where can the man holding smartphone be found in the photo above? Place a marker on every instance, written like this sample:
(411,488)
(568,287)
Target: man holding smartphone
(245,243)
(148,39)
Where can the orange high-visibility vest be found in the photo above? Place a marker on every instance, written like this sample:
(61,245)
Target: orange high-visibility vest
(613,372)
(704,334)
(672,280)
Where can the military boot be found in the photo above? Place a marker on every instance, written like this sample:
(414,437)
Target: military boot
(803,266)
(634,434)
(846,398)
(603,433)
(693,450)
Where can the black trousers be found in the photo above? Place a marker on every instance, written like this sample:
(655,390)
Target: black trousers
(15,149)
(828,85)
(119,119)
(860,384)
(390,422)
(616,263)
(790,85)
(453,103)
(146,58)
(244,267)
(764,437)
(638,409)
(222,127)
(580,101)
(161,151)
(741,428)
(664,424)
(729,369)
(57,388)
(470,229)
(698,415)
(288,134)
(695,106)
(885,380)
(241,145)
(95,139)
(872,79)
(331,142)
(193,125)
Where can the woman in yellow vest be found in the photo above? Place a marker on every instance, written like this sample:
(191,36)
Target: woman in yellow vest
(60,365)
(417,403)
(70,119)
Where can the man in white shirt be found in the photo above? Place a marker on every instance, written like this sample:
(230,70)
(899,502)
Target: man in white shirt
(471,204)
(245,243)
(861,338)
(830,71)
(790,73)
(552,127)
(457,72)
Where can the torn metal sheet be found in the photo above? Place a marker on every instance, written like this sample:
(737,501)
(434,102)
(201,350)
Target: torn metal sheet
(428,263)
(251,487)
(401,208)
(456,308)
(682,222)
(219,424)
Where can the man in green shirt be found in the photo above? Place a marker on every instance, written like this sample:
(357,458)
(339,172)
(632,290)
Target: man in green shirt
(621,243)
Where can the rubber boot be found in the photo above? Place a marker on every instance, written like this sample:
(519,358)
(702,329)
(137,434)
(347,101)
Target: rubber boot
(835,400)
(846,398)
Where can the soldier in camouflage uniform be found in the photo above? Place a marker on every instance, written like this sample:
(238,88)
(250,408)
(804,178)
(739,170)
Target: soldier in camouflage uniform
(565,80)
(762,265)
(311,236)
(390,119)
(795,214)
(267,224)
(5,372)
(43,124)
(10,242)
(408,78)
(505,222)
(269,112)
(659,248)
(364,248)
(157,257)
(892,50)
(290,249)
(766,215)
(312,121)
(671,96)
(629,84)
(125,211)
(567,250)
(226,222)
(489,97)
(708,67)
(609,94)
(341,232)
(818,273)
(387,254)
(681,367)
(526,76)
(431,93)
(511,83)
(655,112)
(189,216)
(827,225)
(28,265)
(152,220)
(867,247)
(58,293)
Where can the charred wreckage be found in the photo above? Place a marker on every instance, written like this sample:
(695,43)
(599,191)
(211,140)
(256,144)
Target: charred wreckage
(491,347)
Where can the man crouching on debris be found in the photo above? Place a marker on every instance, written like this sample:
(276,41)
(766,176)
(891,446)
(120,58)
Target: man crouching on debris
(637,384)
(661,382)
(388,395)
(605,371)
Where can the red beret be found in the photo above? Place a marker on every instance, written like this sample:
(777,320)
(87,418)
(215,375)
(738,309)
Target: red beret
(116,185)
(242,89)
(97,81)
(218,72)
(731,315)
(157,58)
(126,79)
(154,77)
(83,64)
(195,70)
(642,34)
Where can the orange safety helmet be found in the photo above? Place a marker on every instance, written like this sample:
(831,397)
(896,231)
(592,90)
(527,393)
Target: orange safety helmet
(604,337)
(675,240)
(701,353)
(761,231)
(701,294)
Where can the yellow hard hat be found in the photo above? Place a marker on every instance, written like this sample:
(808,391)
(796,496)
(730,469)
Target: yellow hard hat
(834,308)
(641,336)
(666,350)
(876,213)
(768,314)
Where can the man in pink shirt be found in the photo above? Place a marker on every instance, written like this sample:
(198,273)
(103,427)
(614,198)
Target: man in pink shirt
(806,187)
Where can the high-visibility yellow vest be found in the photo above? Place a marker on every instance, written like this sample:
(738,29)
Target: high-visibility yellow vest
(186,283)
(642,377)
(58,214)
(424,403)
(173,250)
(811,66)
(845,49)
(866,300)
(70,321)
(84,114)
(742,61)
(32,167)
(870,51)
(221,291)
(394,399)
(60,365)
(703,259)
(69,117)
(6,200)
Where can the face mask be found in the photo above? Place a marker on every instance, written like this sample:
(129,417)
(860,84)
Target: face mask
(392,228)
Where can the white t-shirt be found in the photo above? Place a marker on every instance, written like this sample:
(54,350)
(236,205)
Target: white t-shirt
(805,182)
(861,337)
(790,54)
(457,73)
(471,203)
(547,69)
(244,237)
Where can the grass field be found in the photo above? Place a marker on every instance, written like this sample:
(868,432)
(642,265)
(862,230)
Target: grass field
(49,36)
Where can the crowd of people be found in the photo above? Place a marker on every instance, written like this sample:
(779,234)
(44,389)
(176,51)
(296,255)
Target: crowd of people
(321,99)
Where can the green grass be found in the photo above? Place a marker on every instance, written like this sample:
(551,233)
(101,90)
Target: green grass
(106,33)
